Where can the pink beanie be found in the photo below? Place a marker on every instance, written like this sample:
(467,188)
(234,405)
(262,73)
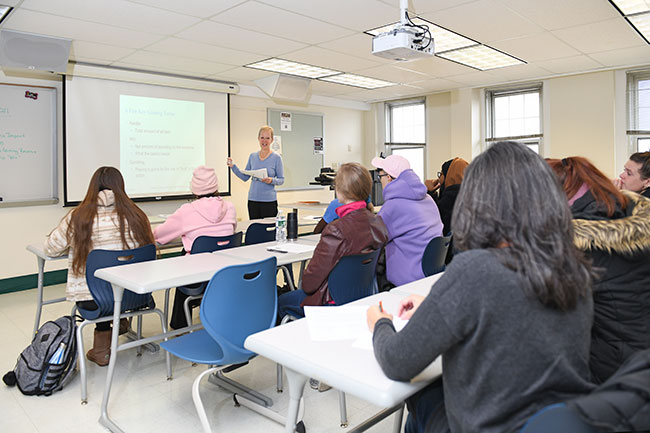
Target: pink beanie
(204,181)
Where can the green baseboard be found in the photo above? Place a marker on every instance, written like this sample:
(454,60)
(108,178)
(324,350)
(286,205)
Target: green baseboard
(26,282)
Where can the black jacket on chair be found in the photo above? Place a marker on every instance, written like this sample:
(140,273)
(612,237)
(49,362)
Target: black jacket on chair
(619,247)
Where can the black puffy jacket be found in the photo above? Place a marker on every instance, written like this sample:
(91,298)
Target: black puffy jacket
(619,247)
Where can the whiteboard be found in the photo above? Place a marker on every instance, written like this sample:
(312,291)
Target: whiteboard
(27,145)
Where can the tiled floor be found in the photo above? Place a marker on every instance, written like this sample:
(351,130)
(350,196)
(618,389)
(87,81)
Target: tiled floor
(142,400)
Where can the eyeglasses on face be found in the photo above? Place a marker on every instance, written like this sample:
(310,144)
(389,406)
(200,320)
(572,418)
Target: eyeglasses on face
(383,174)
(439,173)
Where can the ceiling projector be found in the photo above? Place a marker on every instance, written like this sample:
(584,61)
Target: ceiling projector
(404,42)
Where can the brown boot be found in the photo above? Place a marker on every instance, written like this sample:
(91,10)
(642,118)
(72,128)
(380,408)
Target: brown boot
(101,352)
(124,326)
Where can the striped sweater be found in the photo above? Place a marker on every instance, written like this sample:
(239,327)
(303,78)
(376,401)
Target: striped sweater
(105,235)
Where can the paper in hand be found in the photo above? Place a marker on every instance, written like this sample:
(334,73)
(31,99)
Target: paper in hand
(258,174)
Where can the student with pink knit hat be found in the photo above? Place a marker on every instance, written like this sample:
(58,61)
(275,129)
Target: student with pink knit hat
(210,215)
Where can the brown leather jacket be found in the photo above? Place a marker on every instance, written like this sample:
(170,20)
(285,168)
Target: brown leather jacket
(359,231)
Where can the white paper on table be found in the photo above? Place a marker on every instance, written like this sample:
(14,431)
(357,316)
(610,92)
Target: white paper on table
(290,247)
(259,173)
(346,322)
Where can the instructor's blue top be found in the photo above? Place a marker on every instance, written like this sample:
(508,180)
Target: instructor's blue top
(260,191)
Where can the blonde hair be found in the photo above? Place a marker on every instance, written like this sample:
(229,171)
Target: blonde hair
(354,182)
(265,128)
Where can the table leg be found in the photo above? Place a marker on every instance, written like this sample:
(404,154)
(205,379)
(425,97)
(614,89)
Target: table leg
(296,387)
(104,420)
(39,291)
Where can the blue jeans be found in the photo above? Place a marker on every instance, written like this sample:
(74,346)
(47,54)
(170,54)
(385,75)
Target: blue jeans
(289,303)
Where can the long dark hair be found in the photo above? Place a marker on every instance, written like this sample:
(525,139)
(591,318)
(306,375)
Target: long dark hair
(576,170)
(524,218)
(80,230)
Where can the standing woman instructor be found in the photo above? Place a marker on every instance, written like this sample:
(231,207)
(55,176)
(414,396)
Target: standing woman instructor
(262,198)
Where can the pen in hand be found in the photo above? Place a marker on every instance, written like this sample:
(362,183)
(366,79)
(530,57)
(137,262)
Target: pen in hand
(381,307)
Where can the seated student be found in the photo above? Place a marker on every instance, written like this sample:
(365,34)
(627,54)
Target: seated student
(636,174)
(612,227)
(105,219)
(410,215)
(444,190)
(356,230)
(330,215)
(207,216)
(511,316)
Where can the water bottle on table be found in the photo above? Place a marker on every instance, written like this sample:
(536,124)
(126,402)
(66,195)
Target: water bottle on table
(280,227)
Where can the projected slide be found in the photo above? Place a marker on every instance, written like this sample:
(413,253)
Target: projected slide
(161,142)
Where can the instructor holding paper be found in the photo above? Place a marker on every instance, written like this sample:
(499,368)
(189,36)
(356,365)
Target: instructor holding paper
(265,167)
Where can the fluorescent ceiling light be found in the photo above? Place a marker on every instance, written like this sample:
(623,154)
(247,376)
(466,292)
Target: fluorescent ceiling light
(629,7)
(443,39)
(642,23)
(481,57)
(292,68)
(4,12)
(358,81)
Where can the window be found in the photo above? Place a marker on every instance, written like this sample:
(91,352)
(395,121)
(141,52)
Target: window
(638,101)
(515,114)
(406,131)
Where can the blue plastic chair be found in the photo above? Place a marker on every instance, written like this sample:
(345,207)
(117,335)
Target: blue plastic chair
(133,304)
(556,418)
(257,233)
(239,300)
(205,244)
(435,253)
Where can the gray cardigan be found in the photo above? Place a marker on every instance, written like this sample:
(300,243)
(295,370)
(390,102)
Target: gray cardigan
(505,355)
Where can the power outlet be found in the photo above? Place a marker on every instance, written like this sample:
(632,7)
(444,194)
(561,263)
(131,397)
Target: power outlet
(349,148)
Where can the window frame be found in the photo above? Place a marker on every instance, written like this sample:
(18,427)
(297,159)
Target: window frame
(390,145)
(634,134)
(528,140)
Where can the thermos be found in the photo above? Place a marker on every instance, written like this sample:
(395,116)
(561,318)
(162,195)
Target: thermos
(292,225)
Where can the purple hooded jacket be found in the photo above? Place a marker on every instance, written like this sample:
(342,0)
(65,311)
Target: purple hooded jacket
(412,219)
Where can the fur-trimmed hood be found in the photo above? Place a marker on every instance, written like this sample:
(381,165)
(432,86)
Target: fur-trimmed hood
(628,235)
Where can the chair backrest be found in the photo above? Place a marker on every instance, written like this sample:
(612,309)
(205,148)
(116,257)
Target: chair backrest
(257,233)
(433,258)
(353,277)
(556,418)
(240,300)
(208,244)
(102,291)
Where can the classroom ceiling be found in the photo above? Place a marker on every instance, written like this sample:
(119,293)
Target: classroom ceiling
(215,38)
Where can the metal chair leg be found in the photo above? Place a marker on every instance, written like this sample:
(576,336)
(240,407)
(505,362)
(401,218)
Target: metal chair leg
(343,410)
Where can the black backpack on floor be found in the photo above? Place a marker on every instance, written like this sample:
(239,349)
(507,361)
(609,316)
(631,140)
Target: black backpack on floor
(48,363)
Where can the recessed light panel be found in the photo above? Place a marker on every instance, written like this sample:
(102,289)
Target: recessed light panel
(292,68)
(481,57)
(629,7)
(358,81)
(4,11)
(443,39)
(642,23)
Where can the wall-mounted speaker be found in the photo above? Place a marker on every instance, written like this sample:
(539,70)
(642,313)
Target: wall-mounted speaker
(285,87)
(31,51)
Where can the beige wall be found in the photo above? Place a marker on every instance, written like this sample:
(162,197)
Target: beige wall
(344,137)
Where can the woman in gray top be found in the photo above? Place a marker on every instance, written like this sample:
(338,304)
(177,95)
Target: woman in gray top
(511,316)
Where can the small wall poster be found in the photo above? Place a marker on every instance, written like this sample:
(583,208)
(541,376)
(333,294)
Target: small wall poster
(318,145)
(285,121)
(276,146)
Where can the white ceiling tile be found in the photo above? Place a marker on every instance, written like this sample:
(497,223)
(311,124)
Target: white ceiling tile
(317,56)
(195,8)
(10,2)
(266,19)
(119,13)
(436,67)
(602,36)
(624,57)
(392,73)
(82,49)
(484,21)
(187,65)
(567,65)
(557,14)
(482,78)
(359,45)
(436,84)
(360,15)
(226,36)
(45,24)
(520,72)
(424,6)
(241,75)
(330,89)
(541,46)
(197,50)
